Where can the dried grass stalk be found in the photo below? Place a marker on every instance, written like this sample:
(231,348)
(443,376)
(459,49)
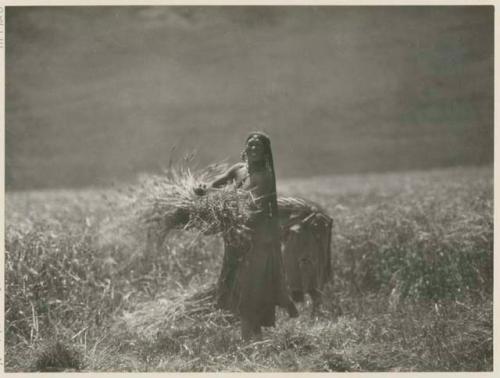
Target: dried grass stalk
(167,202)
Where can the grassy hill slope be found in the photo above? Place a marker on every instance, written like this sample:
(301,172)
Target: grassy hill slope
(97,94)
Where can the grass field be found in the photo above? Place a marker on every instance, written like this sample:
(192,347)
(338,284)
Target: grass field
(412,286)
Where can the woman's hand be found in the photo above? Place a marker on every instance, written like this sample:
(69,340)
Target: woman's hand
(200,190)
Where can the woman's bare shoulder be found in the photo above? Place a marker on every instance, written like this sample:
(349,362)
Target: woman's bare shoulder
(238,167)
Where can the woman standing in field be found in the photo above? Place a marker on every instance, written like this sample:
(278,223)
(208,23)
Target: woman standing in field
(252,280)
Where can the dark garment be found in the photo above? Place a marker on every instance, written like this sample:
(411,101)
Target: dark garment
(307,254)
(251,282)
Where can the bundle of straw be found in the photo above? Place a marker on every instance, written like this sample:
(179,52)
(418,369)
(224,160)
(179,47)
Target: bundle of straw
(184,315)
(167,202)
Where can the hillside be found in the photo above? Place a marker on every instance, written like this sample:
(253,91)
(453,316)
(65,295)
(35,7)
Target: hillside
(99,94)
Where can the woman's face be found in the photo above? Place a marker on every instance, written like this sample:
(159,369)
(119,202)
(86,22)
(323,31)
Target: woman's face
(254,149)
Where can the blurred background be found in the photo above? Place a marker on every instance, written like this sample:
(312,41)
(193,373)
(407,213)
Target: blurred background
(99,94)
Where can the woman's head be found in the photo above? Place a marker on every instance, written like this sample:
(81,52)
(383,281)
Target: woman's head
(257,148)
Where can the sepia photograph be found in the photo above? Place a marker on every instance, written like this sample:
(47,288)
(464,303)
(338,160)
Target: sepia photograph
(248,188)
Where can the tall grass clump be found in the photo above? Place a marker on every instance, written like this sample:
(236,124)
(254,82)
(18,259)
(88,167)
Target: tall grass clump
(428,238)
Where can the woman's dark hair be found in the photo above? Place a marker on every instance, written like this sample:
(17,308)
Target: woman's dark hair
(269,163)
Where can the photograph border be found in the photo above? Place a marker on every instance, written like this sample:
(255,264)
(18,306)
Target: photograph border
(496,162)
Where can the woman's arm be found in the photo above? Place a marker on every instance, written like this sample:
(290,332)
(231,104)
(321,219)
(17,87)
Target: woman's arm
(224,179)
(227,177)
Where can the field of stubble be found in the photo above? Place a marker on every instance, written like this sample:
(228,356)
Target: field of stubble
(412,286)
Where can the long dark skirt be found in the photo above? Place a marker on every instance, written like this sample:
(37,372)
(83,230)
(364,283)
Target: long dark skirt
(252,282)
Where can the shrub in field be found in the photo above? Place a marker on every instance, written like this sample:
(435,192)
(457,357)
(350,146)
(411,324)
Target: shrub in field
(57,356)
